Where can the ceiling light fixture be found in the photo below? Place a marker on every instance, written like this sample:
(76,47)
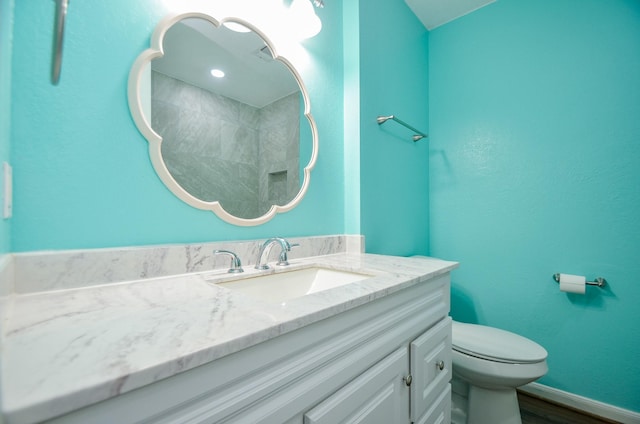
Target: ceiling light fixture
(304,18)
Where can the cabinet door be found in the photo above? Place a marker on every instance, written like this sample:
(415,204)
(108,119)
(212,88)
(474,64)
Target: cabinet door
(378,396)
(430,367)
(440,411)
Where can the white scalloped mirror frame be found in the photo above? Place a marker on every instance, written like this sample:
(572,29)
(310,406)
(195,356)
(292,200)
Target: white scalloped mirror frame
(135,98)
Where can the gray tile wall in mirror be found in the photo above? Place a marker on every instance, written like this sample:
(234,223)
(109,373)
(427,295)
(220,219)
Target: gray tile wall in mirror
(217,148)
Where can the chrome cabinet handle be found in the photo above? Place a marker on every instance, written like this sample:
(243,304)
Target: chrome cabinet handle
(440,365)
(407,380)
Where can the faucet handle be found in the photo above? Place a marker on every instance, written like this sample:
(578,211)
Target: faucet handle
(236,264)
(283,259)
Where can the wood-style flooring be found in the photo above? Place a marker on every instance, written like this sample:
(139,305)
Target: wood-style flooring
(535,410)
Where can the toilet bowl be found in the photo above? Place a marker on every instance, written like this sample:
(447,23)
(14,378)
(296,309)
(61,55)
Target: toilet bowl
(488,365)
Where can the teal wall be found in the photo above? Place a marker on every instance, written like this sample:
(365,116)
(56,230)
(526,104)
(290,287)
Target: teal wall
(82,174)
(532,108)
(535,154)
(394,171)
(351,52)
(6,24)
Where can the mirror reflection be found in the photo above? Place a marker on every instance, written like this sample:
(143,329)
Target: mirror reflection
(231,118)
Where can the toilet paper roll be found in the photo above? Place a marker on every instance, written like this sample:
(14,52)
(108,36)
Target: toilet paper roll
(573,283)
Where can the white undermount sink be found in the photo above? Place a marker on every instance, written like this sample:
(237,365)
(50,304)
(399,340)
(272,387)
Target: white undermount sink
(285,285)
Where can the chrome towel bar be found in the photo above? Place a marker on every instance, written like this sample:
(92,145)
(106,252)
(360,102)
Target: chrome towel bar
(382,119)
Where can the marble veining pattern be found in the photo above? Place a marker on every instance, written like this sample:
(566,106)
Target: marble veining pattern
(6,275)
(69,348)
(41,271)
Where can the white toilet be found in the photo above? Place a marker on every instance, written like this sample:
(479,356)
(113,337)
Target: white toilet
(488,365)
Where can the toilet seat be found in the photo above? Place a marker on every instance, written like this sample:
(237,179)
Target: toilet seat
(495,345)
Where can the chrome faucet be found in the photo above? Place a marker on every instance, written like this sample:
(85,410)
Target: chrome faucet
(236,265)
(283,260)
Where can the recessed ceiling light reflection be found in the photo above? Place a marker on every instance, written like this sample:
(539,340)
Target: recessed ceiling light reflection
(217,73)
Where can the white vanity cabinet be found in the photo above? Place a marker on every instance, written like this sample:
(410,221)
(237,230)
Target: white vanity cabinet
(380,394)
(431,373)
(350,367)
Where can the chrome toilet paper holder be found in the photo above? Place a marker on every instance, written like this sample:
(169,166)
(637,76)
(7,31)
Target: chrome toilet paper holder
(600,282)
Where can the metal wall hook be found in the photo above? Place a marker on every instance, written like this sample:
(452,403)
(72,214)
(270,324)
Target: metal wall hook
(600,282)
(382,119)
(58,36)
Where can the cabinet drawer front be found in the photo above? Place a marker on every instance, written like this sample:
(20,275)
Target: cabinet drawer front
(430,366)
(440,411)
(379,396)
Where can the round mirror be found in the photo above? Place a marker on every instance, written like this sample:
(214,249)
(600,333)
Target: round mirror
(227,119)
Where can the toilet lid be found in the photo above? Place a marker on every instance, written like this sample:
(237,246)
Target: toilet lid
(495,345)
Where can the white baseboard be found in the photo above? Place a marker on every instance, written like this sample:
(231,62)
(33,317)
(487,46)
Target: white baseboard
(581,403)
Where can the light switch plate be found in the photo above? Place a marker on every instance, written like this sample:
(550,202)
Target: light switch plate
(7,190)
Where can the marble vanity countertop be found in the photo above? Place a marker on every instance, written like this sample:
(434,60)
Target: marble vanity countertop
(66,349)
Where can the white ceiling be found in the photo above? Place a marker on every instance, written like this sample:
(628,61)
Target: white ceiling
(433,13)
(194,46)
